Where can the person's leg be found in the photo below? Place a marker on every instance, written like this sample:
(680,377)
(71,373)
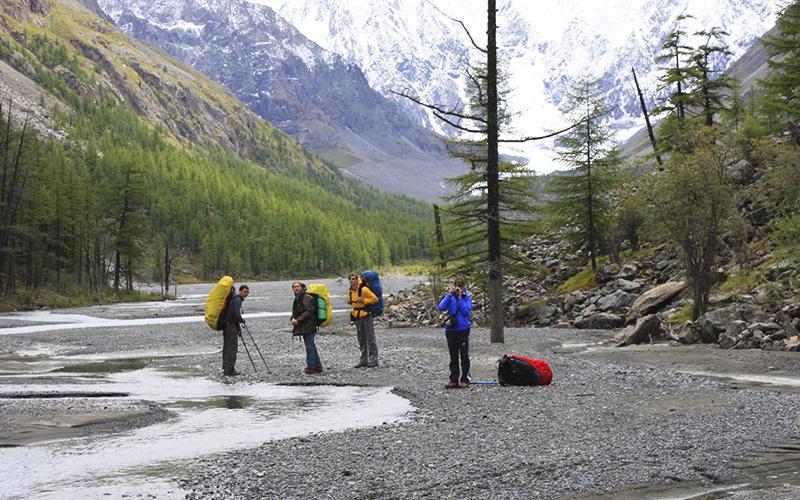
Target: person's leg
(230,347)
(452,348)
(362,341)
(371,341)
(463,350)
(312,356)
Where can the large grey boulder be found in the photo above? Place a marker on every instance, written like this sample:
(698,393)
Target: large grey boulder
(717,321)
(600,321)
(616,300)
(646,329)
(654,299)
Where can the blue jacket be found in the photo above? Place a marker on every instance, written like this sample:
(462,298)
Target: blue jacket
(461,307)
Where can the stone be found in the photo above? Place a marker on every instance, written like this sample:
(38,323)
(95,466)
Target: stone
(600,321)
(606,273)
(654,299)
(663,264)
(646,329)
(628,271)
(627,286)
(742,172)
(687,333)
(715,322)
(775,270)
(792,344)
(735,328)
(616,300)
(725,341)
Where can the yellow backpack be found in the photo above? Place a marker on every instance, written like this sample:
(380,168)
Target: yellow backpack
(322,299)
(216,302)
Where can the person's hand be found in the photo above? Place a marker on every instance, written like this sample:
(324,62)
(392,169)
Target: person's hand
(360,300)
(295,322)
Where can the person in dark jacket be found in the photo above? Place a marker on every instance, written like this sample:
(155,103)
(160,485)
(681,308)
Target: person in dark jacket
(232,331)
(458,304)
(304,323)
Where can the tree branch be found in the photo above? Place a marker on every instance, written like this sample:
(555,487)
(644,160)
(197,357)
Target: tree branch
(472,40)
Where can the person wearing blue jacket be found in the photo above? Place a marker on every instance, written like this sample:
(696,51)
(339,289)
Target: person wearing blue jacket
(458,304)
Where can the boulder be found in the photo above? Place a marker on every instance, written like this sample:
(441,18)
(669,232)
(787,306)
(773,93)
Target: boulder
(792,344)
(616,300)
(646,329)
(600,321)
(776,270)
(742,172)
(687,333)
(715,322)
(627,286)
(654,299)
(606,273)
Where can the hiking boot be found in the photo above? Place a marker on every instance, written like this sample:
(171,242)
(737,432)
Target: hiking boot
(309,371)
(360,365)
(372,365)
(451,385)
(318,369)
(463,385)
(234,373)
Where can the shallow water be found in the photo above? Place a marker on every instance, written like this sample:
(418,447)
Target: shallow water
(212,417)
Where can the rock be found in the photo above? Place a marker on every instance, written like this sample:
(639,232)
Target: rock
(600,321)
(792,310)
(714,322)
(726,341)
(767,327)
(627,286)
(646,329)
(552,263)
(742,172)
(775,270)
(628,271)
(779,335)
(654,299)
(718,300)
(735,328)
(606,273)
(616,300)
(663,264)
(687,333)
(792,344)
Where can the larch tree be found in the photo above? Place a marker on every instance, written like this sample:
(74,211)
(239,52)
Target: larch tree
(581,195)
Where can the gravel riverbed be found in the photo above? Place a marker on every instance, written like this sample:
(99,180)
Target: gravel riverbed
(614,421)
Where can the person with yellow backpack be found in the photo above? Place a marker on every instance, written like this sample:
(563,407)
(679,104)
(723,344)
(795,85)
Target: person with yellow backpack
(361,298)
(232,330)
(304,323)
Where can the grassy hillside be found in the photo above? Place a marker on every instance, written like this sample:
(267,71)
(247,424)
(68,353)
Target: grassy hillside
(121,157)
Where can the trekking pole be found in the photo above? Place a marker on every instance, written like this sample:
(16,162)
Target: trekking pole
(247,351)
(257,349)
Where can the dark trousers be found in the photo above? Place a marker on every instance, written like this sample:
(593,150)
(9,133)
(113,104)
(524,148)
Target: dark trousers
(312,356)
(230,347)
(458,346)
(365,331)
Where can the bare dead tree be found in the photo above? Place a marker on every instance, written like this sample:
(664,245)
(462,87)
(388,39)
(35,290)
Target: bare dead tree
(647,121)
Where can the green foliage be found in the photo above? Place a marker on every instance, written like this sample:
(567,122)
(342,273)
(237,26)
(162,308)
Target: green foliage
(466,228)
(782,99)
(692,199)
(583,280)
(581,206)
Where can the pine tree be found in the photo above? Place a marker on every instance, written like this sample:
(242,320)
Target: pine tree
(710,85)
(782,85)
(581,204)
(678,73)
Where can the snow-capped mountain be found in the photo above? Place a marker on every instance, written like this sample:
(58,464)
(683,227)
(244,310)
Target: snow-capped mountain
(313,94)
(416,44)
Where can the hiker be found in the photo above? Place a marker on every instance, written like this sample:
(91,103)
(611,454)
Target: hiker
(232,331)
(458,304)
(304,324)
(361,298)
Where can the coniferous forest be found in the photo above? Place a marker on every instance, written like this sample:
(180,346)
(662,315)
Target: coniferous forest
(122,200)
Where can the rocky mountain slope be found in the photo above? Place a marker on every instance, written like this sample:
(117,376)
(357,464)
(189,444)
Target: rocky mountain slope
(312,94)
(414,44)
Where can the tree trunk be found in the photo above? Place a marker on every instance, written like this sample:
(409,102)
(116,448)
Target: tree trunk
(647,121)
(437,220)
(493,180)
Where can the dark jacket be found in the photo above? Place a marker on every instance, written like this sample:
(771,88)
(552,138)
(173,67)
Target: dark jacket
(303,310)
(461,307)
(233,314)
